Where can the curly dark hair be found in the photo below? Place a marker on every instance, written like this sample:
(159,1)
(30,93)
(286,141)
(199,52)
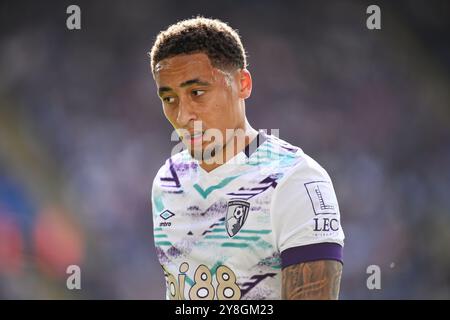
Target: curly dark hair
(215,38)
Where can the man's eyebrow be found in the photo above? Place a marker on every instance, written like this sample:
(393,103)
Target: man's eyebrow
(194,81)
(164,89)
(184,84)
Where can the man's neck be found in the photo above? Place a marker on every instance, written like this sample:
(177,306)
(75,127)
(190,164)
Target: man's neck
(235,145)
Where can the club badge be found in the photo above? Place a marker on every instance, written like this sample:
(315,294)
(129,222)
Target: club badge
(237,212)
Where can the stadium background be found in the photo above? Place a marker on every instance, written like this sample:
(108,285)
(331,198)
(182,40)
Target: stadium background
(82,134)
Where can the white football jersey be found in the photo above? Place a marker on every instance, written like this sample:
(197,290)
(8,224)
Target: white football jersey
(228,233)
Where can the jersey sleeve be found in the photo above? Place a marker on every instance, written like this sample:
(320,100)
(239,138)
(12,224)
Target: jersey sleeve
(157,194)
(305,216)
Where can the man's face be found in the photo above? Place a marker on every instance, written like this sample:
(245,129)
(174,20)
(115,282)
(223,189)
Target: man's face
(193,91)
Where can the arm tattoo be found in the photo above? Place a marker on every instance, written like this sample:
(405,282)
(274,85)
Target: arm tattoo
(317,280)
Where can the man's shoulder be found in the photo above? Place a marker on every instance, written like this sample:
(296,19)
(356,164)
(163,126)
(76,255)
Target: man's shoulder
(175,166)
(302,166)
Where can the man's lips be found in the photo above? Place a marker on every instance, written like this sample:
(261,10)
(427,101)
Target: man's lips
(194,137)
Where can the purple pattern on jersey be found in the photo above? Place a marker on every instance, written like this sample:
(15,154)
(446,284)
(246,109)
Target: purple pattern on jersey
(249,285)
(216,224)
(215,208)
(273,261)
(173,178)
(163,258)
(283,144)
(174,252)
(185,167)
(247,193)
(290,148)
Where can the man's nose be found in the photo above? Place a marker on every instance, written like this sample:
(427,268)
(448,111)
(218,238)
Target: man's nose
(186,113)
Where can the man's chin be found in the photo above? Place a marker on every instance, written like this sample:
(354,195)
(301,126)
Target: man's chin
(202,154)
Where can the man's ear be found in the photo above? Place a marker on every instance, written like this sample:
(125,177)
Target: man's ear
(245,81)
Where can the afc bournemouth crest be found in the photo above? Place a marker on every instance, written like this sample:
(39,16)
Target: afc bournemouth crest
(237,212)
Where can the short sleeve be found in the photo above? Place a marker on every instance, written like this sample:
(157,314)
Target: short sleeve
(156,196)
(305,216)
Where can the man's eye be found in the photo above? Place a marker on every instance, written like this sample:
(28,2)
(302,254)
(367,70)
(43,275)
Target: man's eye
(168,99)
(198,93)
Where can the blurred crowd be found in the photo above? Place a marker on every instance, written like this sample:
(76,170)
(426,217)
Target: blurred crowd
(82,135)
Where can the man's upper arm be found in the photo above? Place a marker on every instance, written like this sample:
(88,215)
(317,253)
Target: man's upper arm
(316,280)
(308,233)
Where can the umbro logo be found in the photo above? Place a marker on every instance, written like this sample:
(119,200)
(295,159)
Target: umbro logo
(166,215)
